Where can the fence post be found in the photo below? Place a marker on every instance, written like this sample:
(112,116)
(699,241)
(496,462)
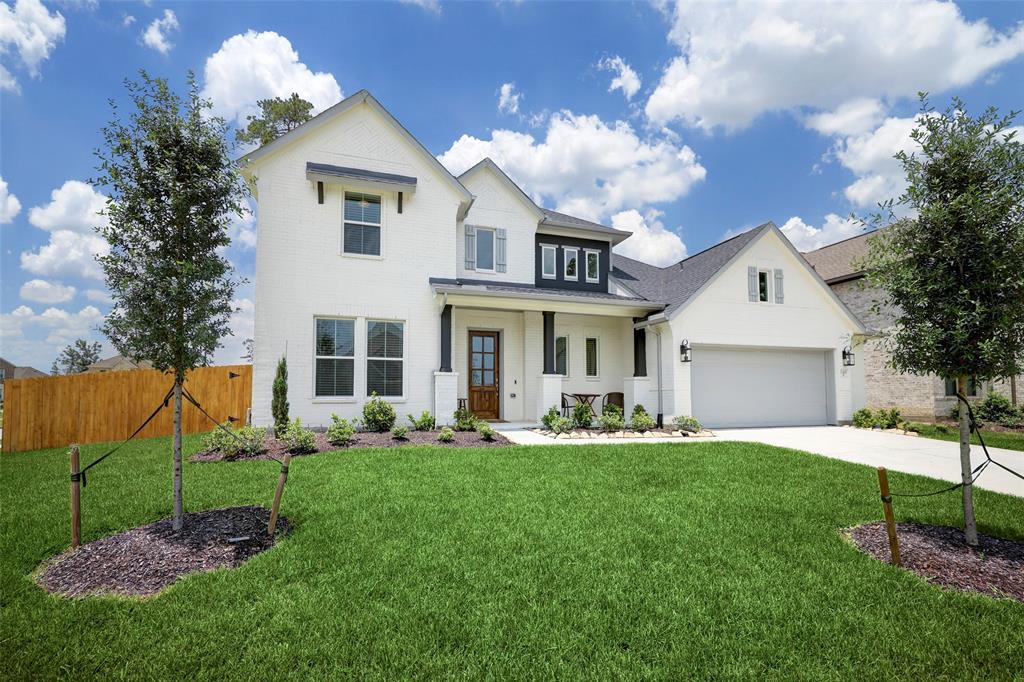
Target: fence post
(76,499)
(890,522)
(277,495)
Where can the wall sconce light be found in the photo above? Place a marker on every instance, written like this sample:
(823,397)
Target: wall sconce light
(684,351)
(849,359)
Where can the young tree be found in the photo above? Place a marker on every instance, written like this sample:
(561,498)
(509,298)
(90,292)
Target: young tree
(279,398)
(277,117)
(76,358)
(954,272)
(173,191)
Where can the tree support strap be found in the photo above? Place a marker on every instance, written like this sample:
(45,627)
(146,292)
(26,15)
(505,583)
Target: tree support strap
(189,397)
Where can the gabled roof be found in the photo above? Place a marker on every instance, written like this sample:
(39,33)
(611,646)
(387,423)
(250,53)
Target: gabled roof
(341,107)
(487,163)
(837,262)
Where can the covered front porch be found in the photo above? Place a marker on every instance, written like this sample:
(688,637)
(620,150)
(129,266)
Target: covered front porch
(510,353)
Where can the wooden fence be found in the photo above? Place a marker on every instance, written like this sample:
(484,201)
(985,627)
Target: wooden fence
(51,412)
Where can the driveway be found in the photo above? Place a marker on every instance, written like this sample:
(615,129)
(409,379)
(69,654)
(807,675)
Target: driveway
(914,455)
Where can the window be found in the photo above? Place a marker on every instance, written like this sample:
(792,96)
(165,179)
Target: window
(562,355)
(592,357)
(335,358)
(484,249)
(972,387)
(762,286)
(362,224)
(385,349)
(548,254)
(571,256)
(593,266)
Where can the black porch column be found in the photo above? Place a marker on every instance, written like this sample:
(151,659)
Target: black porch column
(639,351)
(549,342)
(446,338)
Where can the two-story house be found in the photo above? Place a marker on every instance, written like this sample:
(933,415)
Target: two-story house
(378,271)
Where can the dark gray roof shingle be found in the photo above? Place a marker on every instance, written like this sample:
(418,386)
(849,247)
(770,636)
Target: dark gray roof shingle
(565,220)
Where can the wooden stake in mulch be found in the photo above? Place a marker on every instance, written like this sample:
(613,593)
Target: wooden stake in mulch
(277,494)
(76,498)
(890,521)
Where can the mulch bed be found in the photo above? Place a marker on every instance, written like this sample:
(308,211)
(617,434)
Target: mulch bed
(940,555)
(143,561)
(276,449)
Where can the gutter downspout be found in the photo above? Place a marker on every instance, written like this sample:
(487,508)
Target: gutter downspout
(659,420)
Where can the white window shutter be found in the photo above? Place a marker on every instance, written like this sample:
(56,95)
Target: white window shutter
(501,241)
(752,283)
(470,247)
(778,286)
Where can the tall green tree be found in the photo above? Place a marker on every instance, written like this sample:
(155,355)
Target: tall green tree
(277,116)
(954,272)
(76,358)
(173,190)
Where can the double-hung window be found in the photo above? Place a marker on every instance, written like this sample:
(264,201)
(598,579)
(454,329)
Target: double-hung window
(562,355)
(335,358)
(762,286)
(593,265)
(362,224)
(592,357)
(385,352)
(548,261)
(485,241)
(571,263)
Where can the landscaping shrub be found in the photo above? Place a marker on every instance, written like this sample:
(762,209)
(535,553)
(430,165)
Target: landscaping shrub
(446,435)
(611,418)
(640,420)
(582,416)
(888,419)
(378,414)
(560,424)
(399,432)
(486,431)
(299,440)
(549,418)
(465,420)
(685,422)
(279,398)
(340,431)
(425,422)
(249,440)
(864,418)
(997,408)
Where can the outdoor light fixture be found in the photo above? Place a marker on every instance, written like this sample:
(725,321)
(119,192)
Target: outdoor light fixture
(684,351)
(849,358)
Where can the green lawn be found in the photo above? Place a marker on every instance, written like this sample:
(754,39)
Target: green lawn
(649,561)
(1011,440)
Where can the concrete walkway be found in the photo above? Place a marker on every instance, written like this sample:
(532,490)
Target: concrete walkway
(913,455)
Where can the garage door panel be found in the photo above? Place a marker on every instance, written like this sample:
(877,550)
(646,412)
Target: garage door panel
(733,388)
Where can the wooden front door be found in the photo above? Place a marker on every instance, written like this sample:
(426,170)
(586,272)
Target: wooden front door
(483,374)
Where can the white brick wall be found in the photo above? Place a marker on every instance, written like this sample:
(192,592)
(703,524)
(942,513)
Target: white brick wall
(496,206)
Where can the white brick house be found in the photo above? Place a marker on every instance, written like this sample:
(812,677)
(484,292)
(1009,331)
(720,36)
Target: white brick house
(378,271)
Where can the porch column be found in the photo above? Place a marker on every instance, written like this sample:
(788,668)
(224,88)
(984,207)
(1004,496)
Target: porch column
(549,342)
(446,339)
(639,351)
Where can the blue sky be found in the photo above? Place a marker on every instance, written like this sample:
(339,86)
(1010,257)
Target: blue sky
(683,123)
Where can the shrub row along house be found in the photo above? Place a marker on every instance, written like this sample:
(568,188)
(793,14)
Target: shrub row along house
(378,271)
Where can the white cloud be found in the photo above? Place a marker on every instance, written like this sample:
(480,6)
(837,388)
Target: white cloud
(807,238)
(31,338)
(253,66)
(242,231)
(432,6)
(98,296)
(74,206)
(851,118)
(585,166)
(651,241)
(242,325)
(68,254)
(156,34)
(9,204)
(870,157)
(508,99)
(44,291)
(30,30)
(740,60)
(127,20)
(626,78)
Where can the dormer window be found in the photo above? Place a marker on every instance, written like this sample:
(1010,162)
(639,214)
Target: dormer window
(593,264)
(548,261)
(571,264)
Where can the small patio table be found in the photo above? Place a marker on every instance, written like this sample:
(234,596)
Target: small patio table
(588,399)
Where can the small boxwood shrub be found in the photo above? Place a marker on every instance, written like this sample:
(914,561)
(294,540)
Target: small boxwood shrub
(685,422)
(465,420)
(399,432)
(560,424)
(888,419)
(582,416)
(549,418)
(486,431)
(378,414)
(640,420)
(340,431)
(248,440)
(425,422)
(446,435)
(864,418)
(997,408)
(299,440)
(612,420)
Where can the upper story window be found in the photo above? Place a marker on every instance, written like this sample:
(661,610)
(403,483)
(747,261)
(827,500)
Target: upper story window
(486,249)
(571,263)
(385,354)
(762,286)
(485,243)
(593,265)
(335,358)
(362,224)
(549,257)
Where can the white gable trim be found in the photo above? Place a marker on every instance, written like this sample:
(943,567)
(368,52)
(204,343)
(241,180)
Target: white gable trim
(512,187)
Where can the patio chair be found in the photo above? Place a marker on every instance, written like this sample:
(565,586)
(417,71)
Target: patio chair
(568,402)
(618,399)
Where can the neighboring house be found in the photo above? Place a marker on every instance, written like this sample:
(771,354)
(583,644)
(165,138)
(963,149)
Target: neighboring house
(377,271)
(918,397)
(8,370)
(117,363)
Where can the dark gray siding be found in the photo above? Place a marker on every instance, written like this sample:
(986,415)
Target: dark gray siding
(560,282)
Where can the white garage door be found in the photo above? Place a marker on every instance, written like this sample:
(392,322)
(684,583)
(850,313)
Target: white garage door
(733,388)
